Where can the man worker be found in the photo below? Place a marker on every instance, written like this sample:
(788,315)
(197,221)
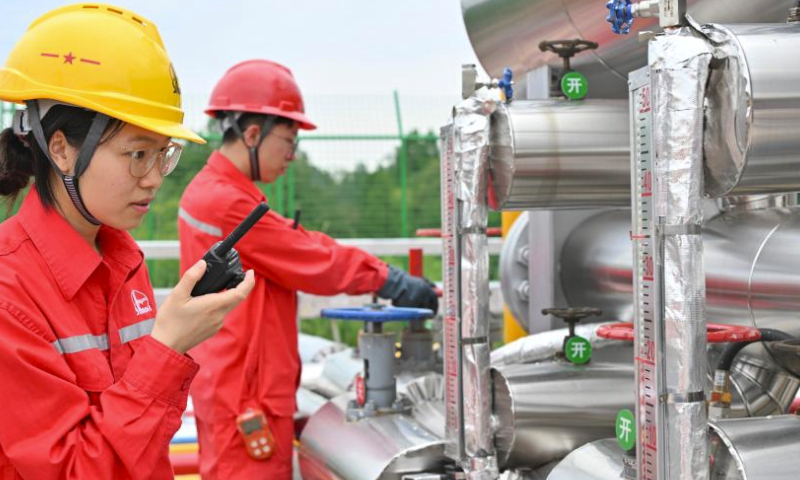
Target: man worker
(252,366)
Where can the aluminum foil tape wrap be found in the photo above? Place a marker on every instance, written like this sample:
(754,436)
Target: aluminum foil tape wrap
(544,346)
(679,65)
(465,217)
(753,115)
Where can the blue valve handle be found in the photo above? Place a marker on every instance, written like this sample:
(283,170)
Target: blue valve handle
(377,314)
(507,84)
(620,16)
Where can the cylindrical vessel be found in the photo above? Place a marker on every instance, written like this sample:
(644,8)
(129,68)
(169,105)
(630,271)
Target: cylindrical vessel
(507,33)
(756,448)
(598,460)
(334,375)
(751,262)
(554,154)
(546,410)
(378,447)
(314,349)
(751,144)
(742,449)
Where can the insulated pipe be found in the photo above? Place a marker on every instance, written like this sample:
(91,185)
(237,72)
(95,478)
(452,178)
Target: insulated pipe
(743,449)
(466,294)
(379,447)
(554,154)
(752,267)
(751,144)
(546,410)
(756,448)
(507,33)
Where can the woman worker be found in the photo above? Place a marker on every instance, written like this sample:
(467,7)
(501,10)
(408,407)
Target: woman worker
(94,380)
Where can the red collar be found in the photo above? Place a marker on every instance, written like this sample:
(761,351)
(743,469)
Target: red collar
(221,165)
(70,258)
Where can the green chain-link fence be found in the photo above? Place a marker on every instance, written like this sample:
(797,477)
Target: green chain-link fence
(370,170)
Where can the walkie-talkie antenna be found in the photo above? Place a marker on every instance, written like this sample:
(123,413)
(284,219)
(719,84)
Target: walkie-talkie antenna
(296,222)
(243,227)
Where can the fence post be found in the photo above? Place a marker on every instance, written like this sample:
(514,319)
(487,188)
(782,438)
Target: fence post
(403,168)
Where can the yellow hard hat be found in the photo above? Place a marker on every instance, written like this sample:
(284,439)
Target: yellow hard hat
(100,57)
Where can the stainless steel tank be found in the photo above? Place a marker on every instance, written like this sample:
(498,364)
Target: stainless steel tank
(751,144)
(380,447)
(756,448)
(546,410)
(560,154)
(751,262)
(742,449)
(598,460)
(507,33)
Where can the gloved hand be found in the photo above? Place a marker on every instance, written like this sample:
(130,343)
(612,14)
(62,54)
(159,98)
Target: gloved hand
(407,291)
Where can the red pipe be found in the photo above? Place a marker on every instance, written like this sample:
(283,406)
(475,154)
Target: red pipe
(415,262)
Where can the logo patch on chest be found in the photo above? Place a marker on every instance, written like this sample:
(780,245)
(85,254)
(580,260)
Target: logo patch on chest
(140,302)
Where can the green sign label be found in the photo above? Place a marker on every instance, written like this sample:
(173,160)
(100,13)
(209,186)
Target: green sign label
(574,85)
(626,430)
(578,350)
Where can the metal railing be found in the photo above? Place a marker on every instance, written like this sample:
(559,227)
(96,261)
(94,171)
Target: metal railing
(310,305)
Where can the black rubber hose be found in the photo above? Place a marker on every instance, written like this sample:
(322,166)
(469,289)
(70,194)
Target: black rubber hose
(767,335)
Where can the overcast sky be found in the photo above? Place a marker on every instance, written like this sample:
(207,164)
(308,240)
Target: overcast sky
(333,47)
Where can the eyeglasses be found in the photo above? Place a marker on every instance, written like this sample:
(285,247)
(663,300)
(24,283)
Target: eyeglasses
(293,143)
(142,160)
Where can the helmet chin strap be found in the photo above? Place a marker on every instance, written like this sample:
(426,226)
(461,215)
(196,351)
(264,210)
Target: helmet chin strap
(90,143)
(232,121)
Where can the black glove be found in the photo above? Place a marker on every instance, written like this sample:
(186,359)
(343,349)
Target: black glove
(407,291)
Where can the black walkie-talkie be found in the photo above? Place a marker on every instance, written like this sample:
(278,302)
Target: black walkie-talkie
(223,267)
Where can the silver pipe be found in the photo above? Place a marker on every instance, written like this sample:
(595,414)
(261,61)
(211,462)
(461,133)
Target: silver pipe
(472,150)
(314,349)
(334,375)
(756,448)
(598,460)
(546,410)
(507,33)
(560,154)
(743,449)
(752,267)
(380,447)
(465,155)
(760,387)
(753,114)
(546,346)
(679,69)
(749,203)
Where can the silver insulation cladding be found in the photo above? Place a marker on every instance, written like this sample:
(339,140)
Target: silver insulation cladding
(679,62)
(472,130)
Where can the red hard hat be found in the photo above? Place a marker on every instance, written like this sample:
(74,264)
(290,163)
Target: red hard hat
(259,86)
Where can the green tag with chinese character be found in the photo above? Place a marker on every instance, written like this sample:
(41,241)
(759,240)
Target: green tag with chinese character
(574,85)
(578,350)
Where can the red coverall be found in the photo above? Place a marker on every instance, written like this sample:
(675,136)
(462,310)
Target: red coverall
(253,361)
(85,392)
